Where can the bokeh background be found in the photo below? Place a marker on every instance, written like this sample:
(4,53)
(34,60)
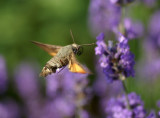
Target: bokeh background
(44,21)
(49,21)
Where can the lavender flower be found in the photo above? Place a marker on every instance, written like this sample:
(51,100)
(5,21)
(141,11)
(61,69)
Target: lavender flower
(103,16)
(158,103)
(121,2)
(28,87)
(101,46)
(4,111)
(27,81)
(154,29)
(151,65)
(9,109)
(133,29)
(3,75)
(117,61)
(66,92)
(59,107)
(150,69)
(117,107)
(105,90)
(152,115)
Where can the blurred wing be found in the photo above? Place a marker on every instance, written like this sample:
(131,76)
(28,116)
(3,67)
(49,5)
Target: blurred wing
(75,67)
(51,49)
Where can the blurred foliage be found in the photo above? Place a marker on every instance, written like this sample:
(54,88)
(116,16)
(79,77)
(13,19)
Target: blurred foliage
(44,21)
(49,21)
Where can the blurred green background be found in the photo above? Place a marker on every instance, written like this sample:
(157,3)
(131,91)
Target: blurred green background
(49,21)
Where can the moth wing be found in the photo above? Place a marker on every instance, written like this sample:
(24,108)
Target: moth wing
(51,49)
(75,67)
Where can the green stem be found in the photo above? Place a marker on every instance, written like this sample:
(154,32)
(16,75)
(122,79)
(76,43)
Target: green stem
(121,25)
(126,94)
(122,30)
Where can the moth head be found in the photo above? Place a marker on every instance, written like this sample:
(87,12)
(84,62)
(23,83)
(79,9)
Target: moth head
(77,49)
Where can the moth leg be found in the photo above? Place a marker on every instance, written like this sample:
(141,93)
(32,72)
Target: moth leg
(70,63)
(70,58)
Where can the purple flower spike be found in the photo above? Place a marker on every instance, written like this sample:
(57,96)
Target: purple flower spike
(158,103)
(4,111)
(121,2)
(100,37)
(117,107)
(52,86)
(3,75)
(152,115)
(151,65)
(9,109)
(103,16)
(66,94)
(27,81)
(154,29)
(101,46)
(116,61)
(133,29)
(105,90)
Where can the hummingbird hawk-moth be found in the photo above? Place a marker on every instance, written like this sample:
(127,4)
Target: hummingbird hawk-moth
(62,56)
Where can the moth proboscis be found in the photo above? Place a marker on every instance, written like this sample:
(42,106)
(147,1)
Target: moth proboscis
(62,56)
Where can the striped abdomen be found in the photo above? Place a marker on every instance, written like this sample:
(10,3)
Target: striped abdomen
(58,61)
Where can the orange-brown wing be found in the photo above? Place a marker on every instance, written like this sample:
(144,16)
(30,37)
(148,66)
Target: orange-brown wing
(51,49)
(75,67)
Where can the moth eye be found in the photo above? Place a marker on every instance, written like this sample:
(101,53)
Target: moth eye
(80,51)
(74,50)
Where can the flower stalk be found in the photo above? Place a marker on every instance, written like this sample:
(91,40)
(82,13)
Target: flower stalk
(122,30)
(126,94)
(121,25)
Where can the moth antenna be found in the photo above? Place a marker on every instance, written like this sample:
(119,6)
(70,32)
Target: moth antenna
(72,36)
(88,44)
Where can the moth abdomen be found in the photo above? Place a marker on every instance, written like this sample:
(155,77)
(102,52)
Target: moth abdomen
(45,71)
(52,65)
(56,62)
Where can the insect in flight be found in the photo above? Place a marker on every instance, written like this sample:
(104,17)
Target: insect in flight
(62,56)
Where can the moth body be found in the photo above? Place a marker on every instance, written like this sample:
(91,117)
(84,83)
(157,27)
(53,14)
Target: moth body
(62,56)
(58,61)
